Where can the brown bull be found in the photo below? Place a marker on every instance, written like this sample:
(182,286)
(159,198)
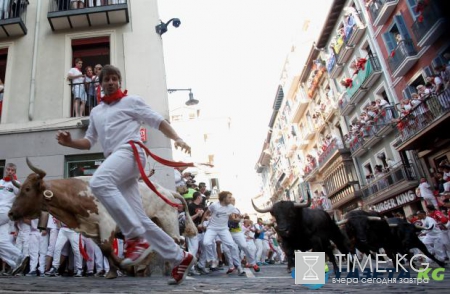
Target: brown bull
(72,202)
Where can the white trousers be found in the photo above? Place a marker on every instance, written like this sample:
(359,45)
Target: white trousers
(38,251)
(262,247)
(434,245)
(95,255)
(239,239)
(115,184)
(8,252)
(74,240)
(23,242)
(193,244)
(227,240)
(53,236)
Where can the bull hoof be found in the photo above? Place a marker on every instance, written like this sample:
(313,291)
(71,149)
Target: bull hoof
(111,275)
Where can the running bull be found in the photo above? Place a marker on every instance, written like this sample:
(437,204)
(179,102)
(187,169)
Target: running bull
(72,202)
(368,232)
(302,228)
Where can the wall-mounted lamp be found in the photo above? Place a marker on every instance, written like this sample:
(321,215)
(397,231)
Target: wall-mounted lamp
(162,27)
(191,100)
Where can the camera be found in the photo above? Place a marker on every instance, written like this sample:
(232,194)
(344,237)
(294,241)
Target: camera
(176,22)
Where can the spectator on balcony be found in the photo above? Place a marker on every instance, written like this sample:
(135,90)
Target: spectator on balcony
(76,4)
(94,3)
(79,93)
(63,5)
(89,86)
(18,7)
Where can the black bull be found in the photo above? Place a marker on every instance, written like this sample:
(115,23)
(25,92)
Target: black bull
(368,231)
(301,228)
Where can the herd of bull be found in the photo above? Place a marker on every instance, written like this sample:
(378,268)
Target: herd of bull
(298,226)
(301,228)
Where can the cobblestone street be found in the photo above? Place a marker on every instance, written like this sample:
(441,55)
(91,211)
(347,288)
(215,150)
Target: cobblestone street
(271,279)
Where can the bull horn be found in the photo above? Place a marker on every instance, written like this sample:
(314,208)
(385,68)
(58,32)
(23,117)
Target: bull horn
(393,225)
(267,209)
(374,218)
(40,172)
(342,222)
(15,183)
(302,205)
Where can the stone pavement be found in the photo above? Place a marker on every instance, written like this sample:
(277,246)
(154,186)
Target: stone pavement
(271,279)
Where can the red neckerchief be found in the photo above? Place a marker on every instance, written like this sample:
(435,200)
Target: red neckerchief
(8,178)
(114,97)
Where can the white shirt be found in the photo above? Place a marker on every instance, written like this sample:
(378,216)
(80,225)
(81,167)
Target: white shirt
(119,122)
(425,191)
(8,194)
(220,215)
(429,222)
(74,71)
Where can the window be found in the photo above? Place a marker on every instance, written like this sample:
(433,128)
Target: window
(82,165)
(91,51)
(412,4)
(2,168)
(3,59)
(397,33)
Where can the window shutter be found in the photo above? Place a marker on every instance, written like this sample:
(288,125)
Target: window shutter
(400,22)
(408,91)
(389,41)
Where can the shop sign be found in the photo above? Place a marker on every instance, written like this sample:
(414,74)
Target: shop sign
(396,201)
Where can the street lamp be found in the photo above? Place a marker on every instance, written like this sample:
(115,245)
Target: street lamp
(191,100)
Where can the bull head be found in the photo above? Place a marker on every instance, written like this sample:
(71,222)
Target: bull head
(296,205)
(29,201)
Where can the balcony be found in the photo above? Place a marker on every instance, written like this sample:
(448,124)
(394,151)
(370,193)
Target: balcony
(354,34)
(299,109)
(61,17)
(309,133)
(425,122)
(365,78)
(333,150)
(345,106)
(345,195)
(356,147)
(402,58)
(398,179)
(430,25)
(13,22)
(380,10)
(381,128)
(334,68)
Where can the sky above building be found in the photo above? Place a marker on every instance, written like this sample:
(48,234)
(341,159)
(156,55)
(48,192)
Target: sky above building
(231,53)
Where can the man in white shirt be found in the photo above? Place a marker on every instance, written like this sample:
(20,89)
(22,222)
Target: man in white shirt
(221,212)
(115,122)
(431,235)
(8,252)
(426,192)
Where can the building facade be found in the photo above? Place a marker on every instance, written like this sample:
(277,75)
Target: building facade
(338,127)
(38,46)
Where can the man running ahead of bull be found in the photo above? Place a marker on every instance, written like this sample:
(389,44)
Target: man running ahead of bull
(114,123)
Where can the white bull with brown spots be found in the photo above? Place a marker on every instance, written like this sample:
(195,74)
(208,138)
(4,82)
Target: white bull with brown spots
(72,202)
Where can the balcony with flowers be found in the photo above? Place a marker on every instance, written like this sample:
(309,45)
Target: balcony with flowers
(380,10)
(429,118)
(431,22)
(366,73)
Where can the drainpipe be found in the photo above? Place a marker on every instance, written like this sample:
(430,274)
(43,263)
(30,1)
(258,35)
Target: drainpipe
(34,59)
